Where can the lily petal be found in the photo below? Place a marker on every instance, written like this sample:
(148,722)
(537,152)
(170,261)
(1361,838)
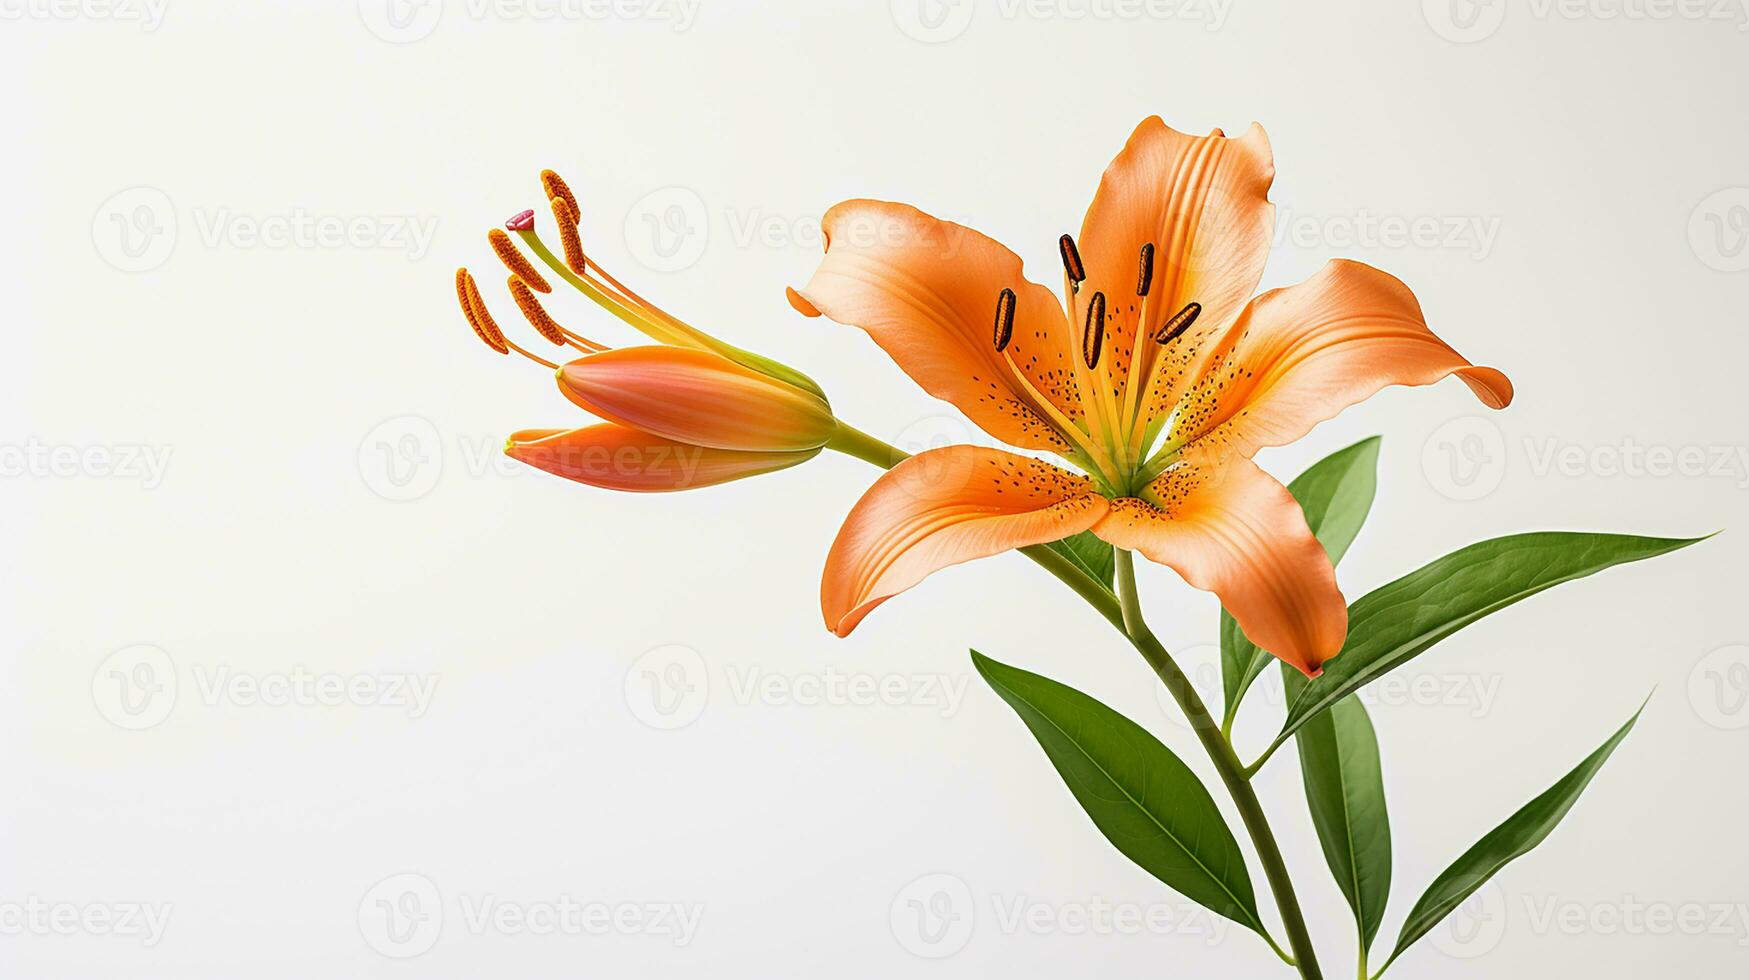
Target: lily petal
(926,290)
(941,508)
(618,458)
(1300,355)
(1231,529)
(1202,202)
(697,397)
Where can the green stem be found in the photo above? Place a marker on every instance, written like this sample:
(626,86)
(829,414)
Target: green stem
(1232,772)
(1123,611)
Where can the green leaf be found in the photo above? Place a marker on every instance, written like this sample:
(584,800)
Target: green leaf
(1091,554)
(1336,494)
(1511,840)
(1345,788)
(1143,798)
(1398,622)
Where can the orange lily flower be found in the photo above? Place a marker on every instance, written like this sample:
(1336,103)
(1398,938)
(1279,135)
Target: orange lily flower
(690,411)
(1159,381)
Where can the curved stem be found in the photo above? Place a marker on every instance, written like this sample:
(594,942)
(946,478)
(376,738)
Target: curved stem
(1232,772)
(1123,611)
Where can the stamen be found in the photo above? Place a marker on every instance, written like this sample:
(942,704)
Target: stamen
(567,221)
(1180,322)
(1147,275)
(1004,319)
(1093,336)
(558,190)
(516,261)
(1072,260)
(521,221)
(464,292)
(481,320)
(536,316)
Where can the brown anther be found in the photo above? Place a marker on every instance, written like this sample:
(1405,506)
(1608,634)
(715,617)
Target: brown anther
(1093,336)
(535,314)
(567,221)
(474,308)
(1172,329)
(1072,260)
(558,190)
(516,262)
(1146,280)
(1004,319)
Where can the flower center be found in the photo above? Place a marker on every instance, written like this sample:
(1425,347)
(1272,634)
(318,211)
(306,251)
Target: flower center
(1115,432)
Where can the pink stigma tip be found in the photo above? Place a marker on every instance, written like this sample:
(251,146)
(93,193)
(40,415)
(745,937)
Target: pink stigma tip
(521,221)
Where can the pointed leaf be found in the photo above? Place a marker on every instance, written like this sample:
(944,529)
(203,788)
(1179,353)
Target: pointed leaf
(1144,799)
(1336,494)
(1398,622)
(1511,840)
(1091,554)
(1345,788)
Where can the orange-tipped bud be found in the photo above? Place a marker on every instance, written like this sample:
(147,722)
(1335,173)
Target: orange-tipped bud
(617,458)
(698,397)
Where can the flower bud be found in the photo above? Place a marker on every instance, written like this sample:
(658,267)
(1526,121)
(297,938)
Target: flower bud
(617,458)
(698,397)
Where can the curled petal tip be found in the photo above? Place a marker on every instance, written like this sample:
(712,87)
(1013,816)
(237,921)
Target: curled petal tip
(521,221)
(800,303)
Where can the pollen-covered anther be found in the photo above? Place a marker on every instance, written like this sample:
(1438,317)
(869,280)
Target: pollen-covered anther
(468,295)
(1145,278)
(535,314)
(558,190)
(521,221)
(573,242)
(1004,320)
(1093,335)
(1174,328)
(516,262)
(1072,260)
(474,306)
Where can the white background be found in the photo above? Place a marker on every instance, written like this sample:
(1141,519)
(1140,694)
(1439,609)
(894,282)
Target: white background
(331,501)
